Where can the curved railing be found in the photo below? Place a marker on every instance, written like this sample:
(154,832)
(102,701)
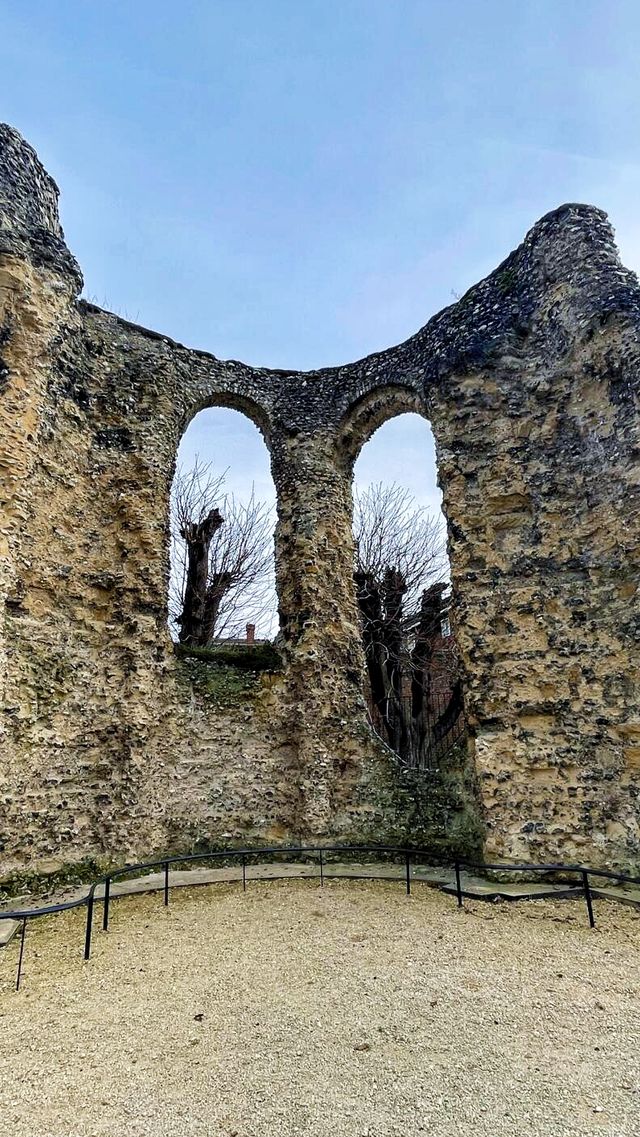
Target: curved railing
(398,854)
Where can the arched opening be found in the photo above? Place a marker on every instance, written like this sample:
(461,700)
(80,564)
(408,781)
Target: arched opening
(222,590)
(413,682)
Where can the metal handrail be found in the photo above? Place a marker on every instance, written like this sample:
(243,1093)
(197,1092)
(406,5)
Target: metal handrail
(406,854)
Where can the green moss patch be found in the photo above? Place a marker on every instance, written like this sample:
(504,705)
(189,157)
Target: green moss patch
(256,658)
(24,882)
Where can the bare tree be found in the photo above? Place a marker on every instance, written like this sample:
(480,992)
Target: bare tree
(222,571)
(400,563)
(392,532)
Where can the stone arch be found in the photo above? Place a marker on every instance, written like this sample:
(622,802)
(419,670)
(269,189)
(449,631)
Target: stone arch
(371,411)
(368,415)
(228,399)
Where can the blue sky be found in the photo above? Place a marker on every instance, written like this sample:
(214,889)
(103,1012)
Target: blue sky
(299,182)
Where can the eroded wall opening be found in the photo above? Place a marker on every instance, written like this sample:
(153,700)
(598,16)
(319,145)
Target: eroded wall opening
(413,681)
(221,588)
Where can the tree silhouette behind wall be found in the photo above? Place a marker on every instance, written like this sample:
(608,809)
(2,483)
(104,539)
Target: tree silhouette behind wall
(221,560)
(414,687)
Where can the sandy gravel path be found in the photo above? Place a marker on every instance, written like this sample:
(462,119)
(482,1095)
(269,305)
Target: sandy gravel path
(348,1011)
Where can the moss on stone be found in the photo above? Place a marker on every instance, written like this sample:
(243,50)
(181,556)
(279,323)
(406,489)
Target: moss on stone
(435,810)
(258,657)
(220,684)
(506,279)
(26,882)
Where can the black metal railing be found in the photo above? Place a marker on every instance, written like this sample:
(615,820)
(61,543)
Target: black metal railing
(407,857)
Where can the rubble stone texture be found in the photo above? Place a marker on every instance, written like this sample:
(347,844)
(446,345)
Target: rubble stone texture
(113,747)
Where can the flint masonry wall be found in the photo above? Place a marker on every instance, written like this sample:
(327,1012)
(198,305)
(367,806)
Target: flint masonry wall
(114,747)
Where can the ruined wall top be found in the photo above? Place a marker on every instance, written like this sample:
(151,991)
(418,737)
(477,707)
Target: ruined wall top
(29,221)
(565,278)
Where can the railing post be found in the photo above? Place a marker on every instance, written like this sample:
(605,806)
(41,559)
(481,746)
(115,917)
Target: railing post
(587,896)
(408,868)
(244,873)
(87,938)
(22,935)
(321,871)
(458,885)
(105,911)
(166,884)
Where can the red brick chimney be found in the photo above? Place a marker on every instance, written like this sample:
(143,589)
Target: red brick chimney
(251,633)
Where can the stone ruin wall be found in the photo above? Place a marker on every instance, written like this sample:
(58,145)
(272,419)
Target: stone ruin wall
(113,747)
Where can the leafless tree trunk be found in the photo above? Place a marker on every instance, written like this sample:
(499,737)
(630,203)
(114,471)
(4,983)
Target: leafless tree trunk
(428,631)
(195,620)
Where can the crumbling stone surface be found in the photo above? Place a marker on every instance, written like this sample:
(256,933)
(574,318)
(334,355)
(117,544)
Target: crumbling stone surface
(113,746)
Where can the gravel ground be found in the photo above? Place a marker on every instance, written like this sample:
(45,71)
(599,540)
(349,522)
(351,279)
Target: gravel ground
(350,1011)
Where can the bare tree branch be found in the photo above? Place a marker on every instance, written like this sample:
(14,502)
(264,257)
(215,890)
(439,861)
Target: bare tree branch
(239,583)
(392,533)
